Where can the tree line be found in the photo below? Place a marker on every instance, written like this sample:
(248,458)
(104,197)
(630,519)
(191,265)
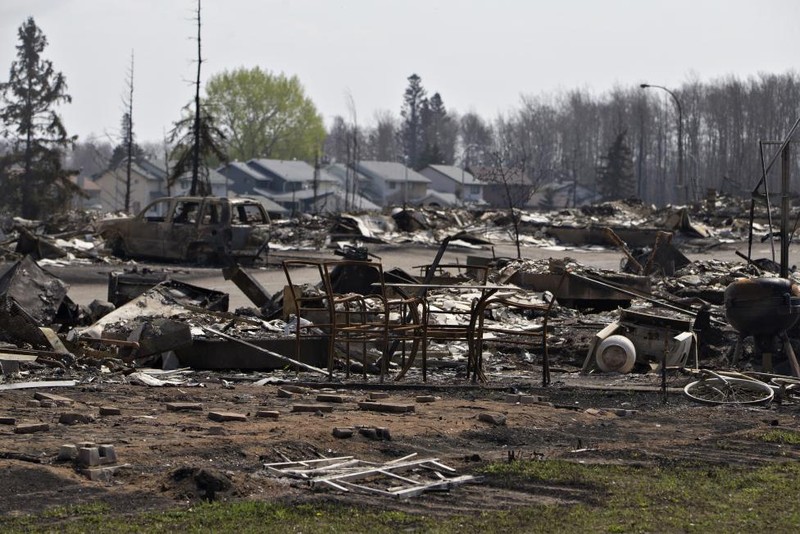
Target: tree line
(618,144)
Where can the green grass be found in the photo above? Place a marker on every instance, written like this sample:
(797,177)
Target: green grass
(597,498)
(782,436)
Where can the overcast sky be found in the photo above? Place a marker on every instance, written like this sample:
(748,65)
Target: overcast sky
(480,55)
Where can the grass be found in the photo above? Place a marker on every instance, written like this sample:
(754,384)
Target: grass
(605,498)
(782,436)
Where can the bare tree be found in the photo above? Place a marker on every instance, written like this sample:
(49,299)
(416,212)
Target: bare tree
(128,135)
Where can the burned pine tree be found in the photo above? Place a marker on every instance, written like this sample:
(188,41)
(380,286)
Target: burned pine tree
(615,178)
(197,138)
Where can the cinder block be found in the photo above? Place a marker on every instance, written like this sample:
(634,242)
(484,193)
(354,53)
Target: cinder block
(268,414)
(89,456)
(342,432)
(107,454)
(426,398)
(110,410)
(326,397)
(67,452)
(313,408)
(57,399)
(184,406)
(8,420)
(386,407)
(75,418)
(378,395)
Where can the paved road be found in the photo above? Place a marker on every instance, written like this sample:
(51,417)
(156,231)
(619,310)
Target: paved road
(91,282)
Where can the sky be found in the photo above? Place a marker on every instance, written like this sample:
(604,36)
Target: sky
(481,56)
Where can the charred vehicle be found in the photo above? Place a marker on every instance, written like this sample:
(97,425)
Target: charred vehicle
(194,229)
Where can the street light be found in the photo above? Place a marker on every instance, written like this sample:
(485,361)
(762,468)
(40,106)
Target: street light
(680,183)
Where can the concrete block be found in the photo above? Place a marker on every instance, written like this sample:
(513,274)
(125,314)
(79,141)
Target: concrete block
(268,414)
(375,433)
(285,394)
(107,454)
(313,408)
(57,399)
(327,397)
(294,389)
(513,398)
(33,404)
(216,431)
(493,418)
(222,417)
(67,452)
(343,432)
(47,404)
(102,474)
(8,420)
(184,406)
(89,456)
(378,395)
(82,444)
(75,418)
(386,407)
(110,410)
(30,428)
(530,399)
(425,398)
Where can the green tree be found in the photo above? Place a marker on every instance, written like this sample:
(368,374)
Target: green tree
(411,130)
(34,180)
(615,175)
(264,115)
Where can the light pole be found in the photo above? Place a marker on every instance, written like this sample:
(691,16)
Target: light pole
(680,183)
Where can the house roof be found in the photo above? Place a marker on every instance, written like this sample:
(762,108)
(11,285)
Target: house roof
(456,174)
(270,205)
(290,171)
(439,198)
(391,171)
(340,171)
(245,169)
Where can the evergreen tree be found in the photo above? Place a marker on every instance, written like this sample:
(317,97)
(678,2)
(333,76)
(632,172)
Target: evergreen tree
(439,133)
(126,145)
(412,129)
(615,178)
(34,180)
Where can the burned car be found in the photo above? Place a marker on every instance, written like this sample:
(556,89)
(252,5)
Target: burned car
(194,229)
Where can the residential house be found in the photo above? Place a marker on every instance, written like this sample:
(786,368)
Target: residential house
(244,179)
(289,176)
(558,195)
(90,192)
(148,182)
(393,184)
(455,181)
(510,185)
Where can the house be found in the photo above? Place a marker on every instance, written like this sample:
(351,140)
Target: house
(455,181)
(392,184)
(90,192)
(504,186)
(148,182)
(243,179)
(288,176)
(333,201)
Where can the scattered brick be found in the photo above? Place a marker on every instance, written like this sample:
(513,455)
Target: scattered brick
(30,428)
(184,406)
(222,417)
(386,407)
(313,408)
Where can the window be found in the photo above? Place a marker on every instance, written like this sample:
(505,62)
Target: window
(211,213)
(474,190)
(392,185)
(249,214)
(185,213)
(156,212)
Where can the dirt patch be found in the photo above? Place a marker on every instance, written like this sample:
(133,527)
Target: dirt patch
(175,458)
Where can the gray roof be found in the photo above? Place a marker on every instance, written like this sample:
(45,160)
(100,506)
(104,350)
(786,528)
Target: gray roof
(391,171)
(456,174)
(339,171)
(246,169)
(269,204)
(437,197)
(290,171)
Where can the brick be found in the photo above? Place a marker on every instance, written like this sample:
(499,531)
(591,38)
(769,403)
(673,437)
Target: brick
(313,408)
(110,410)
(493,418)
(326,397)
(285,394)
(425,398)
(222,417)
(8,420)
(184,406)
(268,414)
(343,432)
(57,399)
(30,428)
(294,389)
(386,407)
(75,418)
